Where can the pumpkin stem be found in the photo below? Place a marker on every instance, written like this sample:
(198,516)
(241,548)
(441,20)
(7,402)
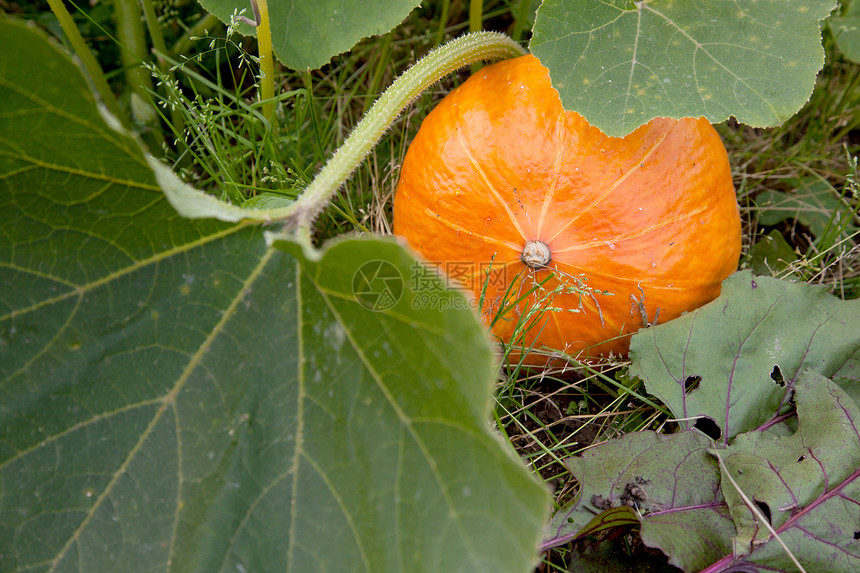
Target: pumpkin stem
(487,46)
(536,254)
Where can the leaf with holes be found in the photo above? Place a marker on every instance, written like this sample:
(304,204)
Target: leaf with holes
(621,63)
(806,484)
(730,366)
(179,395)
(669,481)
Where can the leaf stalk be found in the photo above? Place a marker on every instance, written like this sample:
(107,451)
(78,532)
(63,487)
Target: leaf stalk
(481,46)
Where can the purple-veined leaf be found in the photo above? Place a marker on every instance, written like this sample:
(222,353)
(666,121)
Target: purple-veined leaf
(735,360)
(807,484)
(671,483)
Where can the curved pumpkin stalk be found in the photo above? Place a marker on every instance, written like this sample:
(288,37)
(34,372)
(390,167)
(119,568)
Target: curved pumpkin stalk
(299,216)
(486,46)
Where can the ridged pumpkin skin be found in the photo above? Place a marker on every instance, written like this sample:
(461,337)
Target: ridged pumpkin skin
(499,163)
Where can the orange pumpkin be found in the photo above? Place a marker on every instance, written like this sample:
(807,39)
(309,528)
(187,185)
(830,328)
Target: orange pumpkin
(613,232)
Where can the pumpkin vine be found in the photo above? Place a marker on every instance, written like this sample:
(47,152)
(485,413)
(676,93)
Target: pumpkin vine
(480,46)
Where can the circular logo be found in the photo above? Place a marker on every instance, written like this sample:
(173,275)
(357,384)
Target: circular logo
(377,285)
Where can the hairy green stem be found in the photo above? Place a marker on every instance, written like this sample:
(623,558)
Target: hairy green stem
(88,59)
(434,66)
(476,23)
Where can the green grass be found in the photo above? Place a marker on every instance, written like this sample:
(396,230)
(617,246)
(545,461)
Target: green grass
(214,133)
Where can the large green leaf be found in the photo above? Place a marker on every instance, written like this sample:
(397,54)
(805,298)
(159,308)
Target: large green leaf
(180,395)
(621,63)
(307,33)
(734,361)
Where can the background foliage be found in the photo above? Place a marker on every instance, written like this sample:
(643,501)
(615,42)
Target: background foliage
(198,395)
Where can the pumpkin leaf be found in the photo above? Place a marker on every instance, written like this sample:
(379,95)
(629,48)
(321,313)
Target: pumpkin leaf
(621,63)
(734,362)
(771,254)
(267,200)
(195,204)
(307,33)
(814,203)
(672,486)
(846,31)
(180,395)
(807,483)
